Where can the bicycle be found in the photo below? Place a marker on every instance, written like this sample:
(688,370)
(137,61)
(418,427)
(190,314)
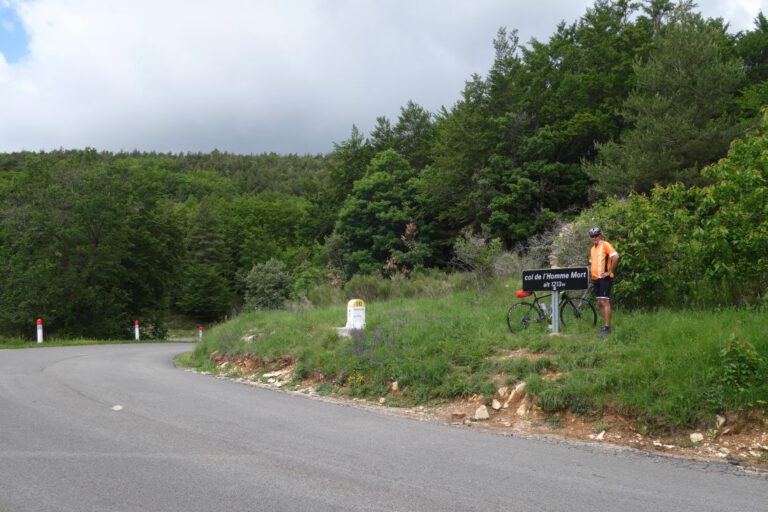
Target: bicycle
(576,313)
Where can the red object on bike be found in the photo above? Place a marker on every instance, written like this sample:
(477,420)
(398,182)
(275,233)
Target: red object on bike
(520,294)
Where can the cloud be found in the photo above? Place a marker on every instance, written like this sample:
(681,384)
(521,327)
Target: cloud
(244,75)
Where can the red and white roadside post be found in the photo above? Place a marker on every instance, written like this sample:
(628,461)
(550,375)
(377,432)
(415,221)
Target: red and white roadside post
(136,329)
(199,332)
(39,330)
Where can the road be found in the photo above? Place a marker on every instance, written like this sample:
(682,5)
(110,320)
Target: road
(189,442)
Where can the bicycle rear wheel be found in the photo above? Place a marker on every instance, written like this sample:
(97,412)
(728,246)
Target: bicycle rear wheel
(523,315)
(578,315)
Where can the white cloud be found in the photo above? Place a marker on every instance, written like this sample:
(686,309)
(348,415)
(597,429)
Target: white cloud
(249,75)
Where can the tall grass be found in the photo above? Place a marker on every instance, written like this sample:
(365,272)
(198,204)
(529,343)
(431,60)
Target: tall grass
(667,369)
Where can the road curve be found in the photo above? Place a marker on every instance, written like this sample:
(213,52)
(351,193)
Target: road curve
(187,442)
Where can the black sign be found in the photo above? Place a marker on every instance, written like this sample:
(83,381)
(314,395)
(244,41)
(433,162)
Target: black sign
(556,279)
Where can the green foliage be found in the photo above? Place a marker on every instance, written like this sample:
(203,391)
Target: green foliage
(102,238)
(369,287)
(88,248)
(697,246)
(375,214)
(743,367)
(681,112)
(477,255)
(268,285)
(751,47)
(204,294)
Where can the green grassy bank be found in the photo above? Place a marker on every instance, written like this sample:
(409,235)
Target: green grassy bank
(666,369)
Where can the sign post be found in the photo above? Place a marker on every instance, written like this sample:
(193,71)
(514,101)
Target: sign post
(199,332)
(136,329)
(556,280)
(39,330)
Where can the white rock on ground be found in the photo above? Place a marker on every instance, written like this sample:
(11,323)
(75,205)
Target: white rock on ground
(517,393)
(482,413)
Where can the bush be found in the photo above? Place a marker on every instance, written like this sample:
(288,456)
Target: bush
(368,287)
(325,295)
(477,254)
(268,285)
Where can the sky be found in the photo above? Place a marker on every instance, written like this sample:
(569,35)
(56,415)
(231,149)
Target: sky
(250,76)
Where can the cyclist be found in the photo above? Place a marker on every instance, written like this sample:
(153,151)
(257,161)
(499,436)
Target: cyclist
(603,259)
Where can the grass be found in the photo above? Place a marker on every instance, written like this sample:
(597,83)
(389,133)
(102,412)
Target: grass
(18,343)
(666,369)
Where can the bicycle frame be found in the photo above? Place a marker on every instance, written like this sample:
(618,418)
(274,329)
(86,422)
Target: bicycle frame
(573,307)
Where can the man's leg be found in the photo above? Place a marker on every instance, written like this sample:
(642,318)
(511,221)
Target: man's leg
(605,310)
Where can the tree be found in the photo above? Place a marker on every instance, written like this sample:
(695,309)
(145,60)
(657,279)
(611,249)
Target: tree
(413,135)
(350,159)
(682,111)
(268,285)
(85,245)
(752,47)
(375,214)
(204,294)
(206,287)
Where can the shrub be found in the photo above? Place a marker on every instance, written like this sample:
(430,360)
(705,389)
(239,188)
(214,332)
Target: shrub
(477,254)
(325,295)
(268,285)
(369,287)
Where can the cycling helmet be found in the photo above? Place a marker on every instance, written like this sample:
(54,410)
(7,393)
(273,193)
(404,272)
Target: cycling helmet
(594,231)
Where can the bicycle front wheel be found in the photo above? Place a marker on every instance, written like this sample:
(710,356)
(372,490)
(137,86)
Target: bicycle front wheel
(578,315)
(523,315)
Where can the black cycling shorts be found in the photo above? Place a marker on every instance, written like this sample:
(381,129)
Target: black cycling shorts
(603,288)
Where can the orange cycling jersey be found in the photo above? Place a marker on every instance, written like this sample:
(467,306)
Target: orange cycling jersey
(599,256)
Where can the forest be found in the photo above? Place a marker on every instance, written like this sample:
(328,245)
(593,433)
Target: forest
(644,117)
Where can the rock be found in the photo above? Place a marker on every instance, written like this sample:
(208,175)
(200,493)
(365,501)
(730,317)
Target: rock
(600,436)
(394,386)
(697,437)
(382,400)
(482,413)
(522,411)
(502,392)
(496,405)
(517,393)
(720,421)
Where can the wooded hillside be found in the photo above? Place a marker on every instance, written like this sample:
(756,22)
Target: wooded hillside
(627,98)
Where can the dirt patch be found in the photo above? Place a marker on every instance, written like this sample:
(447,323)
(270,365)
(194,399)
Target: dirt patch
(746,444)
(739,440)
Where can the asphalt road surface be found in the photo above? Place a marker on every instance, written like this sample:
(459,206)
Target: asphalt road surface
(189,442)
